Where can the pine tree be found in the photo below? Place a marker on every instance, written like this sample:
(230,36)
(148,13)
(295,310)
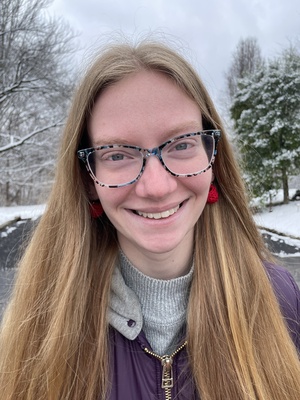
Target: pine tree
(266,113)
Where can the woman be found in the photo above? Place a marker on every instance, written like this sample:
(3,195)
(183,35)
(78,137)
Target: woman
(146,277)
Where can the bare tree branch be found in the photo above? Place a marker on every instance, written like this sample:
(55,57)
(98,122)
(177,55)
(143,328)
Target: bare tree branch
(246,59)
(29,136)
(36,82)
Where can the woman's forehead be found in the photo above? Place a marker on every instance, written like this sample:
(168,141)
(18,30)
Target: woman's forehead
(144,104)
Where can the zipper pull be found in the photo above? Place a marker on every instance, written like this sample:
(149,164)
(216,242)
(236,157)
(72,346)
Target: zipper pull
(167,372)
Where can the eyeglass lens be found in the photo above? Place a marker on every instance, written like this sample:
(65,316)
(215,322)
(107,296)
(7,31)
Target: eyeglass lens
(120,164)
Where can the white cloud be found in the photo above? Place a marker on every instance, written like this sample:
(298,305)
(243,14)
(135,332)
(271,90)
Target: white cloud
(209,30)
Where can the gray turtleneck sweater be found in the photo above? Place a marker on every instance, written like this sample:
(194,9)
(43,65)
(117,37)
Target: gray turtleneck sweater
(155,305)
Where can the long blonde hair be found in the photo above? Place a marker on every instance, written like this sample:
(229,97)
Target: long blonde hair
(54,339)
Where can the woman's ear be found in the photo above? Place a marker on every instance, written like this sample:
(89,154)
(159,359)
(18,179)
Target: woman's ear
(91,190)
(96,209)
(89,184)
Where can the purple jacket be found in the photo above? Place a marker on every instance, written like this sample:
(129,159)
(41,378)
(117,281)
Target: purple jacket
(138,375)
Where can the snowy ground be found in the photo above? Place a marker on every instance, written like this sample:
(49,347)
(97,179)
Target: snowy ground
(283,221)
(8,214)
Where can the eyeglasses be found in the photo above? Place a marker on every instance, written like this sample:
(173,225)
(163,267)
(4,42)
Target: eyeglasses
(118,165)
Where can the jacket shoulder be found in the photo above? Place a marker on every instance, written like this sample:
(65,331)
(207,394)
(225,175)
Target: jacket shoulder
(288,296)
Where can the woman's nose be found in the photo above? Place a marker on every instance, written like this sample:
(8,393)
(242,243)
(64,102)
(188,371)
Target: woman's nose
(155,181)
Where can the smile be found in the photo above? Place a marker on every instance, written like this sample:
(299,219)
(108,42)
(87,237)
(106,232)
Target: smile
(164,214)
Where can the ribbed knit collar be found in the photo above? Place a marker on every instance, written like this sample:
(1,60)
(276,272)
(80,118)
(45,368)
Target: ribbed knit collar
(163,303)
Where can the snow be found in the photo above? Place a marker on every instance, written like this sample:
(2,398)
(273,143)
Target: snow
(295,243)
(283,219)
(8,214)
(276,195)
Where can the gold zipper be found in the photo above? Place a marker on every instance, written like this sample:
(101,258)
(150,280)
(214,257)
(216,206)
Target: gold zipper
(167,381)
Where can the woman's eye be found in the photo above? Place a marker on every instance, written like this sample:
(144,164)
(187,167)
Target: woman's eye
(116,157)
(181,146)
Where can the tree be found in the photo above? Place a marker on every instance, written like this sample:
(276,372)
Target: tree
(35,85)
(266,112)
(246,60)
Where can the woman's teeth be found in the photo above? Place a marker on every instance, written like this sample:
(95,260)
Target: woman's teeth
(163,214)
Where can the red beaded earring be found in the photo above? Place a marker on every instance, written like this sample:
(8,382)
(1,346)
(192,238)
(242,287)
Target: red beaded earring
(213,194)
(96,209)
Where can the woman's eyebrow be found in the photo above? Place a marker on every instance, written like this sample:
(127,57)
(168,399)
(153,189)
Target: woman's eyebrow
(187,127)
(108,140)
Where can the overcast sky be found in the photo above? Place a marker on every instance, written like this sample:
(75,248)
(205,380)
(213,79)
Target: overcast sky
(209,30)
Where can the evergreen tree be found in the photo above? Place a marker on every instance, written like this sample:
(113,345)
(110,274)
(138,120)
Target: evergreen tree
(266,114)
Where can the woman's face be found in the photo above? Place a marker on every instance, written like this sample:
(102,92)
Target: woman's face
(146,109)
